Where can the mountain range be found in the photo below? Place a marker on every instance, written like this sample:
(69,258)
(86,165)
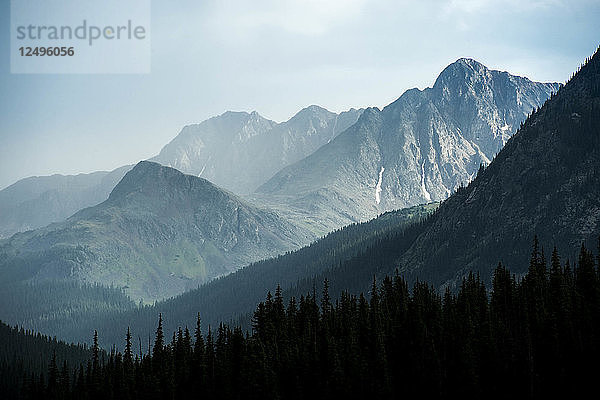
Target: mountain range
(418,149)
(162,232)
(239,151)
(159,233)
(320,168)
(543,183)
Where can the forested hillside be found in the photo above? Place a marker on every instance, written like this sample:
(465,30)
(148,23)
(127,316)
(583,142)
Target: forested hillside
(533,337)
(25,358)
(61,308)
(233,297)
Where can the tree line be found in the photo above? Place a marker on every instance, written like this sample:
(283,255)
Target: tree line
(529,336)
(24,357)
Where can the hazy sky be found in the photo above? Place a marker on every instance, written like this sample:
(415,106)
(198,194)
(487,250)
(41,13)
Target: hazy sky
(275,57)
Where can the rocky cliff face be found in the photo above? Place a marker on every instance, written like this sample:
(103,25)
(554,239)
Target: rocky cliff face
(416,150)
(159,233)
(544,182)
(240,151)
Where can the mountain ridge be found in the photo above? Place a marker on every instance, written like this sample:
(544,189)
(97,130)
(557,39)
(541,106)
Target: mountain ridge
(238,150)
(37,201)
(421,252)
(417,149)
(159,233)
(539,184)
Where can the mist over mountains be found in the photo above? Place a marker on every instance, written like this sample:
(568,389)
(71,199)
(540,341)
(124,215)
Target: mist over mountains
(321,168)
(239,151)
(38,201)
(161,232)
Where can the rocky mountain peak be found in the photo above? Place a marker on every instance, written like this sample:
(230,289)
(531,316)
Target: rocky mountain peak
(369,113)
(160,184)
(239,150)
(418,149)
(311,112)
(543,182)
(466,64)
(159,233)
(463,70)
(469,63)
(143,171)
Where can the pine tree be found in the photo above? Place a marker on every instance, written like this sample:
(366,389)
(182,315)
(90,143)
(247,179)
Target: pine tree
(64,380)
(325,299)
(53,378)
(128,356)
(159,341)
(96,353)
(198,339)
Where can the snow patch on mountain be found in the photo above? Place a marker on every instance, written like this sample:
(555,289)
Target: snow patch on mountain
(426,194)
(378,187)
(204,166)
(333,132)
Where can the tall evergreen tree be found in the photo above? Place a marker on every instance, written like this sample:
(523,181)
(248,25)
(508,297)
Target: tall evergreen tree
(159,341)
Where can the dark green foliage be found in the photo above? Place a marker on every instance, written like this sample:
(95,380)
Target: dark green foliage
(535,337)
(68,310)
(27,358)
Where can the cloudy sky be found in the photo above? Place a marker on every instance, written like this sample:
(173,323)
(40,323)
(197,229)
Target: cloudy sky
(275,57)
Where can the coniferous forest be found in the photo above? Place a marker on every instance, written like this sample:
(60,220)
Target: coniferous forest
(533,336)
